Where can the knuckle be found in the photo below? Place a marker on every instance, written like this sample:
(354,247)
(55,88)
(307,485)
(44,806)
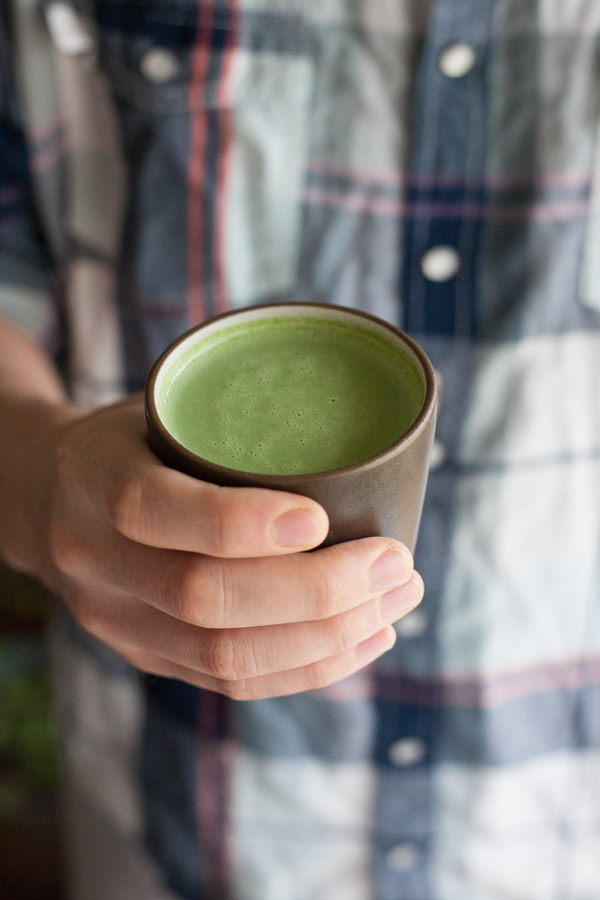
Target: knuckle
(326,593)
(317,675)
(222,516)
(342,633)
(246,660)
(202,593)
(187,589)
(227,593)
(125,505)
(221,657)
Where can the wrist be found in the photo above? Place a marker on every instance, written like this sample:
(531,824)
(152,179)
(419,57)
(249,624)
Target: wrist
(28,446)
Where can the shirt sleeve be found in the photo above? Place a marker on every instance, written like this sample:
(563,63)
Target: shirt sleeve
(25,264)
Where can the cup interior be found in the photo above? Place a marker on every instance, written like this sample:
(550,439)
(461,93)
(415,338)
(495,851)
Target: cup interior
(196,340)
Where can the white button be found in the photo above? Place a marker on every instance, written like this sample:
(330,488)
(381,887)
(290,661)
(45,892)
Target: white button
(402,857)
(438,456)
(406,752)
(159,65)
(457,60)
(440,263)
(414,624)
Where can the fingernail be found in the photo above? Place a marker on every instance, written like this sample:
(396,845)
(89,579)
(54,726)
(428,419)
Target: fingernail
(297,528)
(391,569)
(377,643)
(401,600)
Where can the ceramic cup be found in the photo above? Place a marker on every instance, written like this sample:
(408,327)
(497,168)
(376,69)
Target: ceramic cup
(379,495)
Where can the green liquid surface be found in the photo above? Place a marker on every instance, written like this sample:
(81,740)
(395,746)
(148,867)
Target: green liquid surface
(287,396)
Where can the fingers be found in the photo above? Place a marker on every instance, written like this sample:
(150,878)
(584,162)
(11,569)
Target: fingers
(197,582)
(149,503)
(220,593)
(298,588)
(292,681)
(160,507)
(240,654)
(248,663)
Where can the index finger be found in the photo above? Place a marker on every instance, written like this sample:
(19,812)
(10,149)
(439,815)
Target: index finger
(154,505)
(163,508)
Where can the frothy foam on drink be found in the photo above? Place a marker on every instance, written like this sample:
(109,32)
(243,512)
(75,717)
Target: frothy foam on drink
(291,395)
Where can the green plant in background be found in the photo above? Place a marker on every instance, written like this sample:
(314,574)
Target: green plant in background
(28,739)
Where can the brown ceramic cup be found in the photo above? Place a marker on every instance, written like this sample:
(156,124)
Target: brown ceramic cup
(380,495)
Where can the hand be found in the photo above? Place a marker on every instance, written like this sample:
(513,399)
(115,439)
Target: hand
(207,584)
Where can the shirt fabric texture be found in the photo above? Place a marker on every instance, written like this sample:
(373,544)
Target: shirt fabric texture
(166,160)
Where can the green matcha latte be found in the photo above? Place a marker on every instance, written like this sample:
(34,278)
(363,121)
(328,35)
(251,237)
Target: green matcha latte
(290,395)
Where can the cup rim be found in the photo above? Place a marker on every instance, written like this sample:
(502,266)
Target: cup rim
(225,473)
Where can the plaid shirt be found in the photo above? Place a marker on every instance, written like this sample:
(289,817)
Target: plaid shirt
(436,163)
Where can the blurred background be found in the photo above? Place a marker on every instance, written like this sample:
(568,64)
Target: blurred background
(30,845)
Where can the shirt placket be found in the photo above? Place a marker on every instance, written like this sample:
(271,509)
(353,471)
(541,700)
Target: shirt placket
(445,199)
(446,194)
